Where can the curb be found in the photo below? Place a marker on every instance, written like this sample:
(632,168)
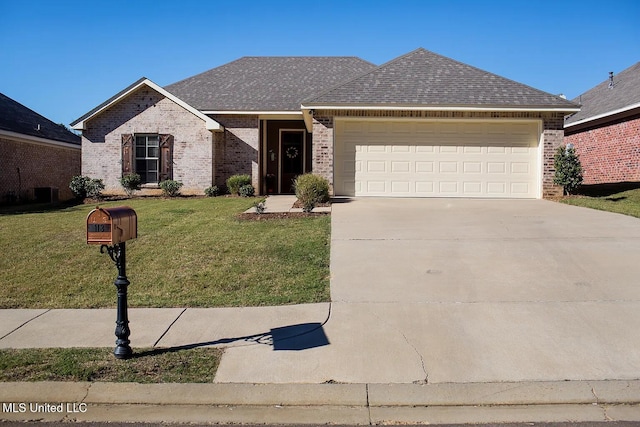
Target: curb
(349,404)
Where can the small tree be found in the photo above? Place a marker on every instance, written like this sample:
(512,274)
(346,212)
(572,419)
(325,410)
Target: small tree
(568,169)
(131,182)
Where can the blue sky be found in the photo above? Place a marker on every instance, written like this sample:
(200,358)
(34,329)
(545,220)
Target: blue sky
(62,58)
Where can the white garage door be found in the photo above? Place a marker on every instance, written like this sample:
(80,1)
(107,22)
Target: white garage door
(436,159)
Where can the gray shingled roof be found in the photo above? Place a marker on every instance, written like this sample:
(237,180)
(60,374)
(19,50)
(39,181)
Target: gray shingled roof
(266,83)
(602,99)
(15,117)
(422,78)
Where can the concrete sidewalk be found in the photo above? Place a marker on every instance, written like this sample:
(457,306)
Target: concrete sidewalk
(346,404)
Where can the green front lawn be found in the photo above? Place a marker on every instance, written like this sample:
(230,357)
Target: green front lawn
(625,202)
(196,365)
(190,252)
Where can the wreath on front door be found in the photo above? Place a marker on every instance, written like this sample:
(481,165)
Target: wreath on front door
(292,152)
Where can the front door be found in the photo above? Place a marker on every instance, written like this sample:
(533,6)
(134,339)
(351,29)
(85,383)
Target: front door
(292,157)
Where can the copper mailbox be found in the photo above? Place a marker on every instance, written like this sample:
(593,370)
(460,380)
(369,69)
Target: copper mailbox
(110,226)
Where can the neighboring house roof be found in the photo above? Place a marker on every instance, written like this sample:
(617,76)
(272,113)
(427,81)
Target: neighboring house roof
(16,118)
(423,78)
(79,123)
(605,100)
(266,83)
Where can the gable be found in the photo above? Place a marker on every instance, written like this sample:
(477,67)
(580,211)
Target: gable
(423,78)
(80,123)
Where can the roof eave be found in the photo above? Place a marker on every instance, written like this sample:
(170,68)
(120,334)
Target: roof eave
(39,140)
(411,107)
(80,124)
(604,115)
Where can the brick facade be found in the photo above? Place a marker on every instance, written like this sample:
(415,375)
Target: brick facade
(26,164)
(237,151)
(552,136)
(147,111)
(609,153)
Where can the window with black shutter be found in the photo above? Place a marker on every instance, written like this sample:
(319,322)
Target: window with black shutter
(148,155)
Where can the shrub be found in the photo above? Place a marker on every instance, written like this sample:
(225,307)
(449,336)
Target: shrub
(568,169)
(212,191)
(84,186)
(236,181)
(131,182)
(94,188)
(170,188)
(247,190)
(310,190)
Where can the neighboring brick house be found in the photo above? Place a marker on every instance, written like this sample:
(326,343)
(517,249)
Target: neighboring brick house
(421,125)
(38,158)
(606,132)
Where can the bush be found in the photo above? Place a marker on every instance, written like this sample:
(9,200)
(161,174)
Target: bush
(170,188)
(247,190)
(131,182)
(212,191)
(84,186)
(568,169)
(310,190)
(236,181)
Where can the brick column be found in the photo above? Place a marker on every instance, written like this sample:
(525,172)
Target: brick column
(552,138)
(322,152)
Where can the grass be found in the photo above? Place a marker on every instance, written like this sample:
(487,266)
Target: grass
(196,365)
(190,252)
(625,202)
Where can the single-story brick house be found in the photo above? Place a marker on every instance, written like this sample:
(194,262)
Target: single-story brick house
(606,131)
(38,157)
(421,125)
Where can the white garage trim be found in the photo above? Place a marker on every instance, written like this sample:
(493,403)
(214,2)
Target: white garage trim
(406,157)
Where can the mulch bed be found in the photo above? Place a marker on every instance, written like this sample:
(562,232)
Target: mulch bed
(298,205)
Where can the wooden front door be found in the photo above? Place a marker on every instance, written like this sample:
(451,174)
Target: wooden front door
(292,155)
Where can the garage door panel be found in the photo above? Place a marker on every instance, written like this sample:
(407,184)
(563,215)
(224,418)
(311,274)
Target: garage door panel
(399,167)
(520,168)
(435,159)
(472,167)
(376,166)
(448,167)
(424,167)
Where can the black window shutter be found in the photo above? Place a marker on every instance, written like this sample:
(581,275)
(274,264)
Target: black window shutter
(166,157)
(127,154)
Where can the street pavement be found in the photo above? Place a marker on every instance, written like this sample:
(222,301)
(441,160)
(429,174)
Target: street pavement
(442,311)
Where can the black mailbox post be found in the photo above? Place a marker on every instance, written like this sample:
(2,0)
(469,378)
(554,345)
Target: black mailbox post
(111,228)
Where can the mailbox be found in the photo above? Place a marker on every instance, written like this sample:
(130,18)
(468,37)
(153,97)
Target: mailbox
(110,226)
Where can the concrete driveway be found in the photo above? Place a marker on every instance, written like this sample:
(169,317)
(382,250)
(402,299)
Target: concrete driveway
(448,290)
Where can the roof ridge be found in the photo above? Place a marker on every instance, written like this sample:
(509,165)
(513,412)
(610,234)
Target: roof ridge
(446,58)
(501,77)
(270,57)
(346,82)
